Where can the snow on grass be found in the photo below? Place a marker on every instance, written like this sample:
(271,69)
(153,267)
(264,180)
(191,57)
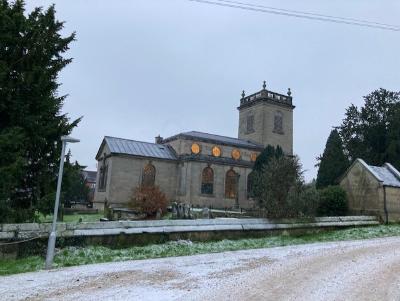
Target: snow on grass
(22,265)
(71,256)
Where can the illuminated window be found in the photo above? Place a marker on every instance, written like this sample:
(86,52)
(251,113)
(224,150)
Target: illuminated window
(207,181)
(195,148)
(231,183)
(216,151)
(236,154)
(149,175)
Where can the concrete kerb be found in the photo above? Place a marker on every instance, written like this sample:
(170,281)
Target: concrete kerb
(344,218)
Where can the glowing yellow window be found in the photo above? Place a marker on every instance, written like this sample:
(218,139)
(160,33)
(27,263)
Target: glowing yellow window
(195,148)
(253,157)
(216,151)
(236,154)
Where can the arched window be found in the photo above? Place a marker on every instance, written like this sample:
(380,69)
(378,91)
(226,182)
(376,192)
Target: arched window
(250,185)
(231,181)
(207,181)
(278,122)
(149,175)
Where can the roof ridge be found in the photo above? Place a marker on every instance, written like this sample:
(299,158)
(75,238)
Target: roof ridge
(393,170)
(370,169)
(215,135)
(131,140)
(240,139)
(378,172)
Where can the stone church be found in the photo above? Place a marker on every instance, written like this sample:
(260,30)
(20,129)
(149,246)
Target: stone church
(198,168)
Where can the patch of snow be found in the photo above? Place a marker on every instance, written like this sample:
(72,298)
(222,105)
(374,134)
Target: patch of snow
(347,270)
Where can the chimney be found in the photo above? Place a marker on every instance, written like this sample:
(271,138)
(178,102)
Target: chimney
(159,139)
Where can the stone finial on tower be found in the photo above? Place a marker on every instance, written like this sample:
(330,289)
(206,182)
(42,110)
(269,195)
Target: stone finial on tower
(289,93)
(264,85)
(243,94)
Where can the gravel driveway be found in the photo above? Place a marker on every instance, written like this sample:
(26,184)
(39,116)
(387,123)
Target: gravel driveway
(352,270)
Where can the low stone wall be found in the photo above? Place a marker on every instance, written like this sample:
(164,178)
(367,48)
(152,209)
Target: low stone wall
(31,230)
(17,232)
(31,238)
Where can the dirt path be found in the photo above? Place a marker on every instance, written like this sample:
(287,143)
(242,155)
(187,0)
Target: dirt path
(354,270)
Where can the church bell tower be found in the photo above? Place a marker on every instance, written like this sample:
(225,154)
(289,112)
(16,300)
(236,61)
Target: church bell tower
(266,118)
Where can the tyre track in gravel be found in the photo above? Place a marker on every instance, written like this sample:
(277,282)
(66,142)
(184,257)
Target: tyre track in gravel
(343,273)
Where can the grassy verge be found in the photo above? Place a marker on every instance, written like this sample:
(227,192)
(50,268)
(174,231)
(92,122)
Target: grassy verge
(96,254)
(73,218)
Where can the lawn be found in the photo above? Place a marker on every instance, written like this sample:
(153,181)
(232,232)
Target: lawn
(71,256)
(73,218)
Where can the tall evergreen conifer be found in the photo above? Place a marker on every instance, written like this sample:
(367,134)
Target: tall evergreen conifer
(266,155)
(333,163)
(31,122)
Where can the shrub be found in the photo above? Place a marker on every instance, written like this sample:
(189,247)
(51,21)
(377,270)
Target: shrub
(333,201)
(278,185)
(304,202)
(148,199)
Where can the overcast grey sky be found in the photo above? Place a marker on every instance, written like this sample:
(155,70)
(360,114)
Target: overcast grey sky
(148,67)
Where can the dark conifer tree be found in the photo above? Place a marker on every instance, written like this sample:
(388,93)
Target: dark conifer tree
(393,148)
(266,155)
(333,163)
(31,122)
(74,189)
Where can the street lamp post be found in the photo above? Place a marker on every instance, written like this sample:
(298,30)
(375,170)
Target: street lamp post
(52,237)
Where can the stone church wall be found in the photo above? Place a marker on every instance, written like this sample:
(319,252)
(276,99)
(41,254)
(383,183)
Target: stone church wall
(257,111)
(125,174)
(190,190)
(102,194)
(179,181)
(177,145)
(284,139)
(264,117)
(183,147)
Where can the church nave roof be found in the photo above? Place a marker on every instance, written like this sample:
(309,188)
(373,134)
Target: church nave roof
(138,148)
(217,139)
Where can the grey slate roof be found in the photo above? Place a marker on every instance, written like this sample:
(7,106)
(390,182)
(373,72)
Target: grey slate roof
(206,137)
(139,148)
(89,175)
(387,174)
